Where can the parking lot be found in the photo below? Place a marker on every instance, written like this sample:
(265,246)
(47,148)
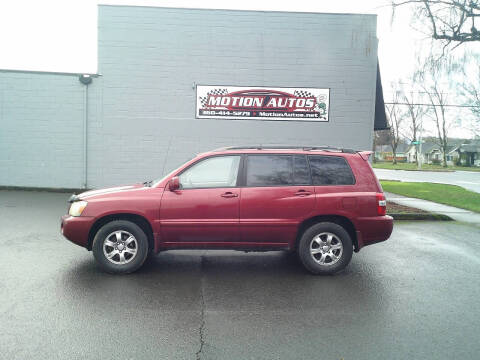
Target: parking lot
(412,297)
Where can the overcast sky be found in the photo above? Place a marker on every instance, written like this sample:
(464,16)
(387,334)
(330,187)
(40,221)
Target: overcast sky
(61,35)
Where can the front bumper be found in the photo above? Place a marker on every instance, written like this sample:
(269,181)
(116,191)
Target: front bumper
(76,229)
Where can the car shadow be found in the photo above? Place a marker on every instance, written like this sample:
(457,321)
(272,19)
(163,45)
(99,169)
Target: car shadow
(226,280)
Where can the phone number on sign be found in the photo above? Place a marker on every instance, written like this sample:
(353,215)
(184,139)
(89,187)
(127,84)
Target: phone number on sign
(225,113)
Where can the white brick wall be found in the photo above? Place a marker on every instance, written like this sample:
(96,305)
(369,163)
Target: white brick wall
(41,130)
(142,109)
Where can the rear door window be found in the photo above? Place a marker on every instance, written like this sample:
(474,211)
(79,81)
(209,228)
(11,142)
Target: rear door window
(269,170)
(330,170)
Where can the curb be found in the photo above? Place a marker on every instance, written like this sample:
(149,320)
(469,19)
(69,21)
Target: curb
(424,217)
(429,170)
(426,170)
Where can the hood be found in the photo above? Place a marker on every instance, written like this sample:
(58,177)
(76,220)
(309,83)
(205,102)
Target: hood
(88,194)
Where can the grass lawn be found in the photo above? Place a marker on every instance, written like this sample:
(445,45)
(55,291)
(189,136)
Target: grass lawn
(440,193)
(413,166)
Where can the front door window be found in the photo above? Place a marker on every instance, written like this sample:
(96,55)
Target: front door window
(214,172)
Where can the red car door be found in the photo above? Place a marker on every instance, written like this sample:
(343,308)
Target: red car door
(277,196)
(205,210)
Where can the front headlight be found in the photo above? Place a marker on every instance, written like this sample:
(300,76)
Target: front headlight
(77,208)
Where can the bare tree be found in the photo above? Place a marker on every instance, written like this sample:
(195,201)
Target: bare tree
(438,100)
(472,94)
(415,115)
(380,137)
(469,86)
(451,21)
(395,118)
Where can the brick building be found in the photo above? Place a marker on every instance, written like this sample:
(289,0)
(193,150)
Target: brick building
(137,118)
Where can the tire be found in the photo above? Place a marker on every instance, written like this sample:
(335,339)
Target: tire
(315,253)
(120,247)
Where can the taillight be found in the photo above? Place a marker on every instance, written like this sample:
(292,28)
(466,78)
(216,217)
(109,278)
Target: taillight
(381,204)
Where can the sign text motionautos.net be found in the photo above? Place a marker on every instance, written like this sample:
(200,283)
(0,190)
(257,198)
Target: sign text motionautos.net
(261,103)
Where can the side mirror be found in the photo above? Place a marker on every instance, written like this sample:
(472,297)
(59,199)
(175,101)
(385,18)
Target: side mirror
(174,183)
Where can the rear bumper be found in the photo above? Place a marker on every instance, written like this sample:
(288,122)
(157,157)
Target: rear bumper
(371,230)
(76,229)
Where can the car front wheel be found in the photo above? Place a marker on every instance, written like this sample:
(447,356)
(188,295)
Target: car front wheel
(325,248)
(120,247)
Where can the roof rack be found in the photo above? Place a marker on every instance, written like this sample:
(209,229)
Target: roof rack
(293,147)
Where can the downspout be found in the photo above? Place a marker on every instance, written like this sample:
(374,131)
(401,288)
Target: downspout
(85,80)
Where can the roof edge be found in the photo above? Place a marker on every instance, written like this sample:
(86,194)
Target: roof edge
(49,72)
(236,10)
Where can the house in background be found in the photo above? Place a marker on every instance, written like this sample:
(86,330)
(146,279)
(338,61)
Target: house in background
(458,153)
(429,151)
(435,155)
(384,152)
(465,154)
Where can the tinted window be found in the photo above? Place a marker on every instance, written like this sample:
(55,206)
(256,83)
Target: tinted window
(301,172)
(219,171)
(330,170)
(269,170)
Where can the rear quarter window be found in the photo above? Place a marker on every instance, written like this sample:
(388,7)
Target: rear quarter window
(330,170)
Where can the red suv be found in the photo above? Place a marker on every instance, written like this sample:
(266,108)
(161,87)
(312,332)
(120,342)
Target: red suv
(324,203)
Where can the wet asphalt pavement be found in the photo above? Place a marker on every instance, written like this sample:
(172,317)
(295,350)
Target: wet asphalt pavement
(415,296)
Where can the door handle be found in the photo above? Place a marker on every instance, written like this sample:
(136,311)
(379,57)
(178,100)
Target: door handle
(303,193)
(229,194)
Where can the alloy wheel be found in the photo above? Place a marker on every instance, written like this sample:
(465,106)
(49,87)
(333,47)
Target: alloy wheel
(120,247)
(326,248)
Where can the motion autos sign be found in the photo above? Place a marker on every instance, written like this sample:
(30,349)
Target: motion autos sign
(262,103)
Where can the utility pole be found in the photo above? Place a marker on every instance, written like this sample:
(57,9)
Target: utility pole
(418,148)
(419,162)
(419,156)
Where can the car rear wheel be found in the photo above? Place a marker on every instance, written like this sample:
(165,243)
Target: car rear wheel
(120,247)
(325,248)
